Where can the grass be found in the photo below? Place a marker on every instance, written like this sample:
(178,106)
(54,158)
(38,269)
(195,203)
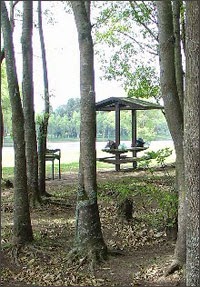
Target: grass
(8,172)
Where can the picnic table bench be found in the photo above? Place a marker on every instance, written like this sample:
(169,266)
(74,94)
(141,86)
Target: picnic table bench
(120,156)
(52,155)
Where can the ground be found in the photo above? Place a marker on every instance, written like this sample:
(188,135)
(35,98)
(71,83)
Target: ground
(139,253)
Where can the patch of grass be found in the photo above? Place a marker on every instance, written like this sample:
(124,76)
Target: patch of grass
(8,172)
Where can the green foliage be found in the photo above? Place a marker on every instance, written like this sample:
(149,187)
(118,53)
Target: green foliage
(64,123)
(6,106)
(7,172)
(159,157)
(128,30)
(166,202)
(143,83)
(156,196)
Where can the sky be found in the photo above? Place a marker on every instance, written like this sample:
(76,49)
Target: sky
(62,53)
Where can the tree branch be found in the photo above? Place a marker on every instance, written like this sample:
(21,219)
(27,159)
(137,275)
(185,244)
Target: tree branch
(139,44)
(142,23)
(152,19)
(15,3)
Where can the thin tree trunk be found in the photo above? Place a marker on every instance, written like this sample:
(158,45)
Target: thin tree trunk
(28,105)
(89,238)
(1,139)
(1,123)
(43,125)
(177,54)
(182,25)
(191,143)
(174,117)
(22,229)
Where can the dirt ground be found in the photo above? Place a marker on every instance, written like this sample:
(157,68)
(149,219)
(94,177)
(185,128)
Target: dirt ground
(139,255)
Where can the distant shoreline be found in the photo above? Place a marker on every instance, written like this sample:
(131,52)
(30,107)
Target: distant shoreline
(9,142)
(70,150)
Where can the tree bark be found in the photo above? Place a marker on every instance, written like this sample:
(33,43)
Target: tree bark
(191,143)
(28,104)
(177,51)
(1,123)
(22,229)
(89,238)
(43,125)
(174,117)
(1,139)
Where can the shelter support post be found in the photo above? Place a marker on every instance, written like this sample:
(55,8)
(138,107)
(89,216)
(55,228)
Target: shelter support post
(134,134)
(117,133)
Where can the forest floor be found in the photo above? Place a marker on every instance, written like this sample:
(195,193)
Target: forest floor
(142,255)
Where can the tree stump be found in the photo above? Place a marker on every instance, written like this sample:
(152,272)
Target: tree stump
(125,209)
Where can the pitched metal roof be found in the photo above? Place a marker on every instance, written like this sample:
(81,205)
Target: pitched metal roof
(125,104)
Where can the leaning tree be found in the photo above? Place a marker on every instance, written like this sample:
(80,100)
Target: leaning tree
(22,229)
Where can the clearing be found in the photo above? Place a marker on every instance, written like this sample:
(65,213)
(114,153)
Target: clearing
(140,251)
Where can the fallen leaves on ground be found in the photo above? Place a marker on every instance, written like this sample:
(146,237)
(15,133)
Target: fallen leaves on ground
(140,253)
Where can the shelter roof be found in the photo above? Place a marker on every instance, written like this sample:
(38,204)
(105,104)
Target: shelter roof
(124,103)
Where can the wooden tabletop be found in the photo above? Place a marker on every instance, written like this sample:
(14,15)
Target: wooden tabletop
(120,151)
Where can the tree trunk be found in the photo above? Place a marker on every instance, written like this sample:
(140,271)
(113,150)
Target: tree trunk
(191,143)
(89,238)
(28,105)
(125,209)
(177,54)
(1,123)
(174,116)
(43,125)
(1,139)
(22,229)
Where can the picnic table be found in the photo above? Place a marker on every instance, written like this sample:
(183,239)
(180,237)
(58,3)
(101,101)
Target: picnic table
(52,155)
(120,156)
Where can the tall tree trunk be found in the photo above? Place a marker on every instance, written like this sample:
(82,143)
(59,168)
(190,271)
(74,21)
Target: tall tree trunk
(43,125)
(182,25)
(177,54)
(174,117)
(1,123)
(89,238)
(28,105)
(1,139)
(191,143)
(22,229)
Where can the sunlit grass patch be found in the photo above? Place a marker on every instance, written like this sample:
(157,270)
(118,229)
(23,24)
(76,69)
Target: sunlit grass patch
(8,172)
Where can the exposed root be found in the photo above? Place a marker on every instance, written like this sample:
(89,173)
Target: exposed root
(56,202)
(89,257)
(15,254)
(116,253)
(176,265)
(82,261)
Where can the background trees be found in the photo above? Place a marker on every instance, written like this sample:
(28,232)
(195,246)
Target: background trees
(43,123)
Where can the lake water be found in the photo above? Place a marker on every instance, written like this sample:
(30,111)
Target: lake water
(70,150)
